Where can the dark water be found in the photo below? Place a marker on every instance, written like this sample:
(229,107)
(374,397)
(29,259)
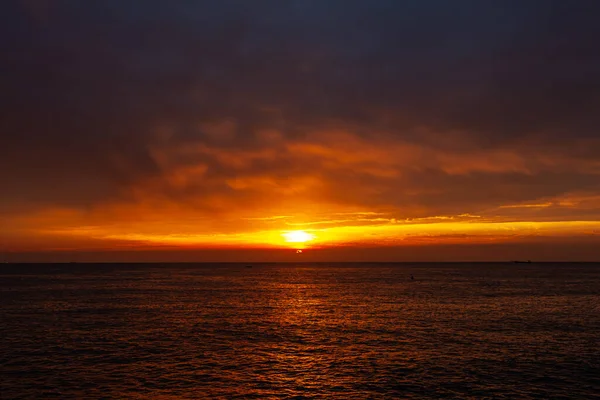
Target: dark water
(346,331)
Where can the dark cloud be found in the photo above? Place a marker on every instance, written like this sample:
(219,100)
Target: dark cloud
(92,89)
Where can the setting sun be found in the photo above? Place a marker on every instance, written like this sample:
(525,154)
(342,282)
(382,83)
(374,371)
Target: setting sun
(297,236)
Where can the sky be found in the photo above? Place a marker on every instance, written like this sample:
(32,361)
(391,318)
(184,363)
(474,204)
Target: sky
(299,130)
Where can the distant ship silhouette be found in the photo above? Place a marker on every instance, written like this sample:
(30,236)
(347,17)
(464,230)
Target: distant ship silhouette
(522,262)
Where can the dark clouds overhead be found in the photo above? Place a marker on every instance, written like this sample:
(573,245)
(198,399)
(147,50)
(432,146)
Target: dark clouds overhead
(102,97)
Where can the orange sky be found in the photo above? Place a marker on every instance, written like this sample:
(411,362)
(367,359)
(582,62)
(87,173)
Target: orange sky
(258,210)
(200,132)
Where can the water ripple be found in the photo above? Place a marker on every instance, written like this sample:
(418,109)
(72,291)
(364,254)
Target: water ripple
(352,331)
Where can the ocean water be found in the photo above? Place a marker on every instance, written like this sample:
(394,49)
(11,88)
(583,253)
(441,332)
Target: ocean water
(300,331)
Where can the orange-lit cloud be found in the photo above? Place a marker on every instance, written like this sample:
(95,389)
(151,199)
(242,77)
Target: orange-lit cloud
(296,120)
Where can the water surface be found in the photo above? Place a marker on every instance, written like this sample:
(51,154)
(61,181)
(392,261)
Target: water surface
(345,331)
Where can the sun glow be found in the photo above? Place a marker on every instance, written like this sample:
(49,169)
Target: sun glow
(297,236)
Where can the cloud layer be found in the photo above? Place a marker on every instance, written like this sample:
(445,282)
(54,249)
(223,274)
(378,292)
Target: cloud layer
(202,118)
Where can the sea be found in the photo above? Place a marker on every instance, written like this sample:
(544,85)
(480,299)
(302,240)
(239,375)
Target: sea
(300,331)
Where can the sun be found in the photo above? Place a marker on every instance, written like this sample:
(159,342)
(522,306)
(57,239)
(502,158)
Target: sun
(297,236)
